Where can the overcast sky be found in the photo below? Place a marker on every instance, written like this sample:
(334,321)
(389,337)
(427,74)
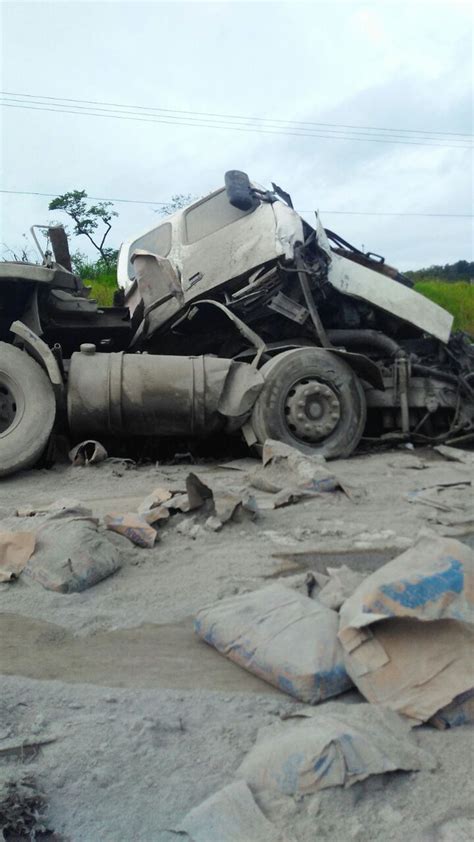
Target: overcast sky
(398,65)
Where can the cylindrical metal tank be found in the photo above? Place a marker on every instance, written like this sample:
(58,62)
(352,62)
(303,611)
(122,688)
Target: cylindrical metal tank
(141,394)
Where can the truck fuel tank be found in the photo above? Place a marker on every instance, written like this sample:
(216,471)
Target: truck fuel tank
(151,395)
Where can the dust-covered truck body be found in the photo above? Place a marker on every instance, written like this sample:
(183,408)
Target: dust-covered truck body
(236,315)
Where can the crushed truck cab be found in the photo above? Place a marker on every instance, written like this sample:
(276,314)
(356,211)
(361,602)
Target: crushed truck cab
(236,315)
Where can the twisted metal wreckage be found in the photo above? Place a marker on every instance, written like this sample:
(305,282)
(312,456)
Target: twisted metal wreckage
(234,314)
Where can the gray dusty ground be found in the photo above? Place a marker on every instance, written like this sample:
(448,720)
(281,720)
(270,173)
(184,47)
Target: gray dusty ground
(148,721)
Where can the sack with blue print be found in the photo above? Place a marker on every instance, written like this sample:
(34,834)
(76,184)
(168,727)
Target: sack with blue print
(282,636)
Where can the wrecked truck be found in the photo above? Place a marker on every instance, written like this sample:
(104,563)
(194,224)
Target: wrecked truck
(236,315)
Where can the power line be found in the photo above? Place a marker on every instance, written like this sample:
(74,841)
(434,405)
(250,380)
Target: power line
(224,123)
(231,127)
(345,213)
(230,116)
(95,198)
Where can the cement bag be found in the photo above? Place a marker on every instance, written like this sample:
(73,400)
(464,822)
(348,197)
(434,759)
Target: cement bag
(337,745)
(71,555)
(282,636)
(230,815)
(420,658)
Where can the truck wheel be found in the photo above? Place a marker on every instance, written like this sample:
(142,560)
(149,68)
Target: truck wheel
(311,400)
(27,410)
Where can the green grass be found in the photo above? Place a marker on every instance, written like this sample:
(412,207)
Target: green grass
(103,287)
(457,298)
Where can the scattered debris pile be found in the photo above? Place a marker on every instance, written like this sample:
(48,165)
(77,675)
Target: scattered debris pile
(66,549)
(406,633)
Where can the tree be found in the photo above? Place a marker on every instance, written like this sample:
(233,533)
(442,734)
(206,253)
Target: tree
(87,219)
(178,201)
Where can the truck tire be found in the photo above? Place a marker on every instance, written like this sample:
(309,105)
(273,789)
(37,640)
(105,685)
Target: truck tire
(311,400)
(27,410)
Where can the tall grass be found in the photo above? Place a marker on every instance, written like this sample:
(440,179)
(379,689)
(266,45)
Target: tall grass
(100,277)
(457,298)
(103,287)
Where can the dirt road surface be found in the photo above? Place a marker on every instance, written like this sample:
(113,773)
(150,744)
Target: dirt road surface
(145,720)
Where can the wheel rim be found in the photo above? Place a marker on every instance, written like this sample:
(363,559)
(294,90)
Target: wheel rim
(312,410)
(12,404)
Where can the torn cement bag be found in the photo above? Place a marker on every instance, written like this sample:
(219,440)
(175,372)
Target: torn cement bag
(16,549)
(285,468)
(230,815)
(132,526)
(71,555)
(337,746)
(420,658)
(88,452)
(282,636)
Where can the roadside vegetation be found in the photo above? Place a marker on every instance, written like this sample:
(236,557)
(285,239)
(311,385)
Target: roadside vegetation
(100,277)
(458,298)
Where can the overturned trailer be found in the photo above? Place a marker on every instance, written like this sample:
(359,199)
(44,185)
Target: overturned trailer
(233,315)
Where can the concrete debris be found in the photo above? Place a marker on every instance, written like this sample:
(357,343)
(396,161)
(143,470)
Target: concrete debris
(337,745)
(197,490)
(132,526)
(445,497)
(154,516)
(190,528)
(408,462)
(225,505)
(337,586)
(455,454)
(288,496)
(213,524)
(65,506)
(419,659)
(286,469)
(71,555)
(179,503)
(154,500)
(282,636)
(16,549)
(88,452)
(230,815)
